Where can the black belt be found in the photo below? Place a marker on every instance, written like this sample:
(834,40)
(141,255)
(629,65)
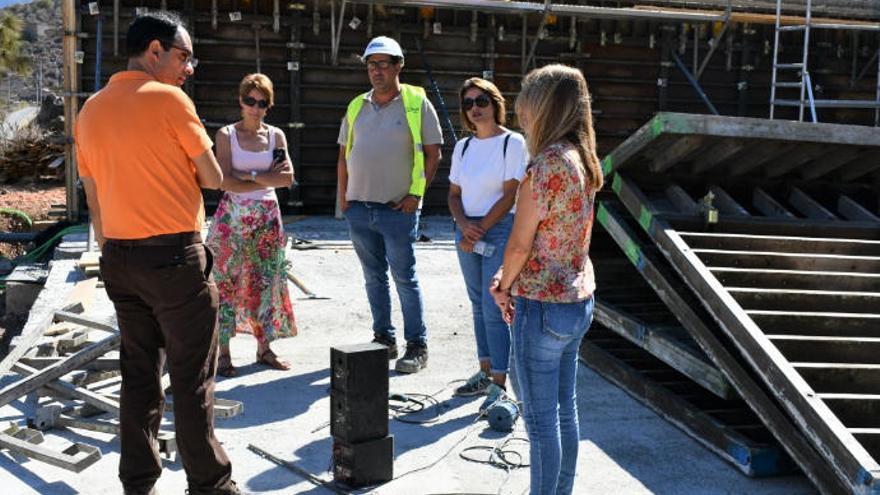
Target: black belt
(178,239)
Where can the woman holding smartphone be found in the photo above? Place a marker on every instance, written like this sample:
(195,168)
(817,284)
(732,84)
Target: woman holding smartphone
(247,235)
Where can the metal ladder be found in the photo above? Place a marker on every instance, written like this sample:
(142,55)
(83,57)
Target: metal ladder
(804,83)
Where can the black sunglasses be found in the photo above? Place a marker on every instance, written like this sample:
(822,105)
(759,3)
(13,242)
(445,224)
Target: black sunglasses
(251,101)
(481,101)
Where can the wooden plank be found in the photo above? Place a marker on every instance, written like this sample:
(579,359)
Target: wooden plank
(665,346)
(682,200)
(758,155)
(830,161)
(702,328)
(681,150)
(74,458)
(751,298)
(788,261)
(855,410)
(46,375)
(781,244)
(840,378)
(100,364)
(744,128)
(797,279)
(869,438)
(85,321)
(751,458)
(851,350)
(765,203)
(717,154)
(851,210)
(850,464)
(775,226)
(817,323)
(726,204)
(860,167)
(66,390)
(808,206)
(793,159)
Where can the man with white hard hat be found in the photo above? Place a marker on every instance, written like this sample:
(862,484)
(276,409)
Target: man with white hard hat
(389,149)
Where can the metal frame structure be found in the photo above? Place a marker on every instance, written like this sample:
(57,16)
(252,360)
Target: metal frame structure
(804,84)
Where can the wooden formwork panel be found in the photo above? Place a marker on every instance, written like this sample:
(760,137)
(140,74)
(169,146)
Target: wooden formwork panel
(720,348)
(728,428)
(770,251)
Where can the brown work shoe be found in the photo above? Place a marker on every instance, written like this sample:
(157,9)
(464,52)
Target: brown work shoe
(387,342)
(229,488)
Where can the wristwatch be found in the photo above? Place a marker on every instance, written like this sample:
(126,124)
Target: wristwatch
(253,175)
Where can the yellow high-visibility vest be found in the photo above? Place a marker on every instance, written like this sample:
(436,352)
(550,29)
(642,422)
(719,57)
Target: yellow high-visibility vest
(413,98)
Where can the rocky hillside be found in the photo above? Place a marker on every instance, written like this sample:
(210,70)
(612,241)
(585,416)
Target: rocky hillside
(41,44)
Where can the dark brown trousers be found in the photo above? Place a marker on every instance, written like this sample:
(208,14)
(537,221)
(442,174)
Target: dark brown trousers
(165,299)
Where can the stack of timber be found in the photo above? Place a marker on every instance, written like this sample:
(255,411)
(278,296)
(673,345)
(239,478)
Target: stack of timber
(763,239)
(30,157)
(67,368)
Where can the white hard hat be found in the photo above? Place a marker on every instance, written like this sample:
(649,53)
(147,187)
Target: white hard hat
(384,45)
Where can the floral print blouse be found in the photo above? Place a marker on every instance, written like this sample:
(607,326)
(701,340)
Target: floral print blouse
(559,268)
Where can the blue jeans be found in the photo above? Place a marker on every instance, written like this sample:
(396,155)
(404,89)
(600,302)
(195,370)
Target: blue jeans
(546,339)
(384,237)
(493,335)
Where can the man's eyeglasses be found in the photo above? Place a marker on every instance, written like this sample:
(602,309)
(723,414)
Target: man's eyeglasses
(251,101)
(189,60)
(379,64)
(481,101)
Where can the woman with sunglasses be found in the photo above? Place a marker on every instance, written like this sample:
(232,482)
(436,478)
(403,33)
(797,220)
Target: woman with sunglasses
(486,170)
(547,268)
(247,234)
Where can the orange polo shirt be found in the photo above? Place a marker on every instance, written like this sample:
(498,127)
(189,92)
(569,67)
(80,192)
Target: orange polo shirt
(136,139)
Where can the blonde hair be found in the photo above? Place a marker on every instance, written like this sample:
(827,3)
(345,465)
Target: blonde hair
(495,97)
(259,82)
(557,102)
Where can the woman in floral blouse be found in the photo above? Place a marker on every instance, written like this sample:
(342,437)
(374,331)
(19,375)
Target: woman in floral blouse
(546,282)
(247,235)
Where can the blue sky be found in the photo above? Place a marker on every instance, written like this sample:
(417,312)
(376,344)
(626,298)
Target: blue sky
(5,3)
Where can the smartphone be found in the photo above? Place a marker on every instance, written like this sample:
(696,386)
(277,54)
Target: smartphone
(278,155)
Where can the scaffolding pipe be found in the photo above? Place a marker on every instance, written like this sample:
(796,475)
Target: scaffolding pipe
(694,83)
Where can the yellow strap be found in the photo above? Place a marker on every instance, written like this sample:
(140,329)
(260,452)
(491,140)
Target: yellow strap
(413,98)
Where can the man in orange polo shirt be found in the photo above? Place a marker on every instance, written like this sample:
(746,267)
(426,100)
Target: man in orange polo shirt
(143,155)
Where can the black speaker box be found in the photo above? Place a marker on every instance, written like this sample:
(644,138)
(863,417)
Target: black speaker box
(355,419)
(359,392)
(360,370)
(363,463)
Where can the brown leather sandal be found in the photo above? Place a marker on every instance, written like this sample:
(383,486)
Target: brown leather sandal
(225,367)
(270,359)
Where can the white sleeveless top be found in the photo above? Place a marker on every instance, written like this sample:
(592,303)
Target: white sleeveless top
(245,160)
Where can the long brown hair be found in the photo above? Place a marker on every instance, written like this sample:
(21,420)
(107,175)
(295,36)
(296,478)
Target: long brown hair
(556,101)
(495,97)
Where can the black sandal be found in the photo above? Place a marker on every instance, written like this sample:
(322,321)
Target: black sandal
(225,367)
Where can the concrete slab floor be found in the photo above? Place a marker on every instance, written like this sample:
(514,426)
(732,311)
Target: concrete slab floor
(625,447)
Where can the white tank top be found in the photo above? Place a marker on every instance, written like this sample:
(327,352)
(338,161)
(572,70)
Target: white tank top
(252,160)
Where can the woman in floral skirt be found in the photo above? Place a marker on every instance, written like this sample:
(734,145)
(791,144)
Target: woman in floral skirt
(247,236)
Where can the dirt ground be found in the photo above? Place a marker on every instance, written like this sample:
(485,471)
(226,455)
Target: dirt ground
(35,199)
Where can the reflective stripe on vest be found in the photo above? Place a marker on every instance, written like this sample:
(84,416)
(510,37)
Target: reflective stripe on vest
(413,97)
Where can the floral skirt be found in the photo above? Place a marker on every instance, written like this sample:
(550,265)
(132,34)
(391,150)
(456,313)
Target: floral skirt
(248,242)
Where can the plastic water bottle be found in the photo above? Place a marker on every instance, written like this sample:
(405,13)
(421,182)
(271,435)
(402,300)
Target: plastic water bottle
(484,249)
